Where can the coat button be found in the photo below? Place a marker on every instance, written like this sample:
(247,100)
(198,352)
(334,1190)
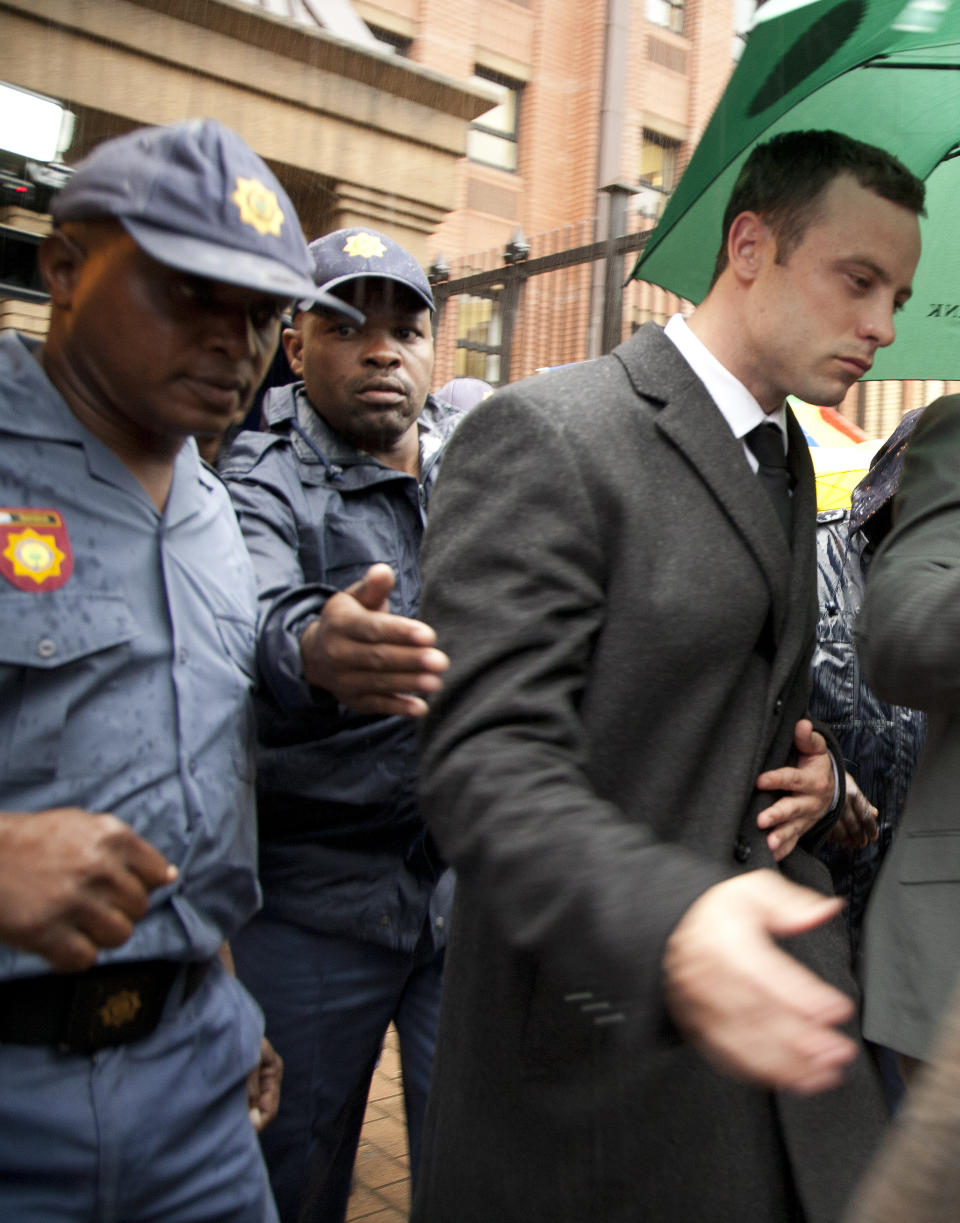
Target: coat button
(46,647)
(778,706)
(742,850)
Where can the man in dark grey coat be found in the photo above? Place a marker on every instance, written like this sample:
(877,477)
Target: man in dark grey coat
(908,642)
(629,615)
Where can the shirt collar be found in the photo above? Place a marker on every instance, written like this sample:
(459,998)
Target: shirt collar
(737,406)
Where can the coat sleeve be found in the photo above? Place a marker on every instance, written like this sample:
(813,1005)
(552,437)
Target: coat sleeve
(908,631)
(268,503)
(515,586)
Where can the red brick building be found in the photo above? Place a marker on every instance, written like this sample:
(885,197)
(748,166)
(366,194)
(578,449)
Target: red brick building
(592,94)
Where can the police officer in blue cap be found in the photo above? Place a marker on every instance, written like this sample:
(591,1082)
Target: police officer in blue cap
(127,609)
(332,500)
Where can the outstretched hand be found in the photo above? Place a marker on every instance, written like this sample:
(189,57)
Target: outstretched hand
(371,660)
(751,1008)
(810,786)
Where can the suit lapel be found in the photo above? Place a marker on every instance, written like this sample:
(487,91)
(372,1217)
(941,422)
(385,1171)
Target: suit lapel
(804,485)
(693,423)
(799,625)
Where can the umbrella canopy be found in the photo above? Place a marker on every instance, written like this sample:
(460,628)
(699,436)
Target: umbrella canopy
(883,71)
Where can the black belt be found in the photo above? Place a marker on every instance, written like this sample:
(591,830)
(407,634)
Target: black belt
(110,1004)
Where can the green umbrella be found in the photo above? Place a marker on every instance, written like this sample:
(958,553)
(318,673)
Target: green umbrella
(883,71)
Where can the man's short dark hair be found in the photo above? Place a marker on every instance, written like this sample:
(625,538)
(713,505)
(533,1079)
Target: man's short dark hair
(783,181)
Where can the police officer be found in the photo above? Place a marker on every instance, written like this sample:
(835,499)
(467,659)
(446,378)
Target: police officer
(127,841)
(332,500)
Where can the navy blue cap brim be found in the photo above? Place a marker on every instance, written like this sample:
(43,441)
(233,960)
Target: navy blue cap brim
(342,280)
(232,266)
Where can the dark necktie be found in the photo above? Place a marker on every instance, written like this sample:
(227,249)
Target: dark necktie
(766,442)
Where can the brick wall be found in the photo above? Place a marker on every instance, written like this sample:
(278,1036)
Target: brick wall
(557,48)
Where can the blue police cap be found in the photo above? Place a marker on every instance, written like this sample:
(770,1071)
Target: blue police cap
(347,254)
(196,197)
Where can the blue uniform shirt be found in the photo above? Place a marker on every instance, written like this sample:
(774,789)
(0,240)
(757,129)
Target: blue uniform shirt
(127,643)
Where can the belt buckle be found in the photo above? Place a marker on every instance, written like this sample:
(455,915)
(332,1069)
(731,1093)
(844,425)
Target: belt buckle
(115,1005)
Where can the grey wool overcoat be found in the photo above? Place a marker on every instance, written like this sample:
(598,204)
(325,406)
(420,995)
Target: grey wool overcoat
(909,640)
(630,644)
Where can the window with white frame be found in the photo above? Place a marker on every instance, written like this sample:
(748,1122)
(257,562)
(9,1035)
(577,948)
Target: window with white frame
(657,172)
(743,11)
(658,160)
(666,13)
(492,138)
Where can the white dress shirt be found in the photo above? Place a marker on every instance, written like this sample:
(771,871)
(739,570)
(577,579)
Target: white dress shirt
(737,406)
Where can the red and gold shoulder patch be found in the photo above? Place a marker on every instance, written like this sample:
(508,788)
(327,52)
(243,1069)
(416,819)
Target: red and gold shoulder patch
(35,549)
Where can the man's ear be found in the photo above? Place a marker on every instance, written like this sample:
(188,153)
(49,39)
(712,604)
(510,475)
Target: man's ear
(292,340)
(61,262)
(749,242)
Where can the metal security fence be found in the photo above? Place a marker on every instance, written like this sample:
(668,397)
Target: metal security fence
(547,303)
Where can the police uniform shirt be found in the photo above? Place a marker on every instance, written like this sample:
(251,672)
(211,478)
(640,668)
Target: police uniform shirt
(127,641)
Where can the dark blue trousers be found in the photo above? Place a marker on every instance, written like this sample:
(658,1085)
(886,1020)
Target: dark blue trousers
(328,1002)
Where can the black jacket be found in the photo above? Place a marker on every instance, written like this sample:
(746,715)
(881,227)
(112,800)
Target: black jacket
(881,742)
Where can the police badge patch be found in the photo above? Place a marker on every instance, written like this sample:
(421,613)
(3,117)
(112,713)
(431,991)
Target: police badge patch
(364,246)
(258,206)
(35,549)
